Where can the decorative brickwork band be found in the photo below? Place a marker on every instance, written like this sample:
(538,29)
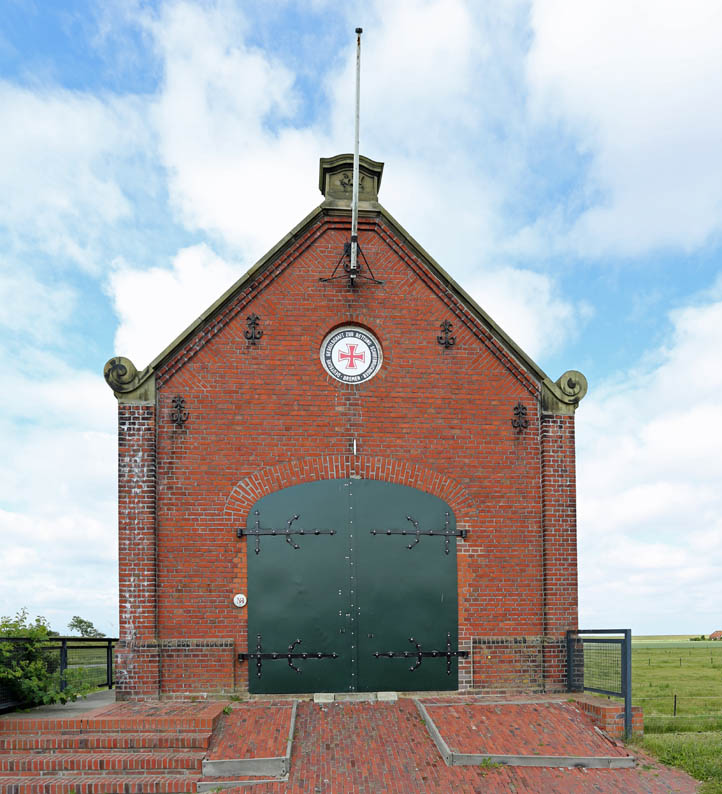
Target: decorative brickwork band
(502,665)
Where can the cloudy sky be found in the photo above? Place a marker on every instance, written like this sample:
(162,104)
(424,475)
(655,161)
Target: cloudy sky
(562,160)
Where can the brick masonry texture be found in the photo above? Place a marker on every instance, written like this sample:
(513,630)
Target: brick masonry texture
(609,715)
(253,730)
(520,729)
(265,417)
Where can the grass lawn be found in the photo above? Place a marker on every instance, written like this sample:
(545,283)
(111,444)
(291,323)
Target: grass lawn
(690,670)
(699,754)
(692,740)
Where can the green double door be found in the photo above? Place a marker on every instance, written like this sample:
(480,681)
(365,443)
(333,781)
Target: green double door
(331,576)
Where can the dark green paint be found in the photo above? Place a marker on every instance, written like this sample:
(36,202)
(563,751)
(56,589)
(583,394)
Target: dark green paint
(301,593)
(353,593)
(404,592)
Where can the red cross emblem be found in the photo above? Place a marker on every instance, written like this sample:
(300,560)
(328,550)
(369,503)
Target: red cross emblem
(351,356)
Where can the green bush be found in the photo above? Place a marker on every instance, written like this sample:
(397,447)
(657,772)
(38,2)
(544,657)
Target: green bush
(31,669)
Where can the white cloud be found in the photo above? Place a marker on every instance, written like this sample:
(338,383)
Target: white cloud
(431,103)
(57,491)
(635,84)
(31,308)
(649,468)
(234,168)
(60,157)
(195,280)
(60,566)
(529,308)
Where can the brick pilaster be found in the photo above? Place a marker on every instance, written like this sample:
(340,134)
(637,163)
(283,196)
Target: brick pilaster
(559,525)
(137,664)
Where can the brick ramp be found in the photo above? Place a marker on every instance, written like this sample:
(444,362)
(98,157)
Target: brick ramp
(385,748)
(251,744)
(544,734)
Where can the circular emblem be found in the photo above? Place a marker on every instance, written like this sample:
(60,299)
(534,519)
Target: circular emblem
(351,354)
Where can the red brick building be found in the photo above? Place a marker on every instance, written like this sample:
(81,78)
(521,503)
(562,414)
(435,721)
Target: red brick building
(331,483)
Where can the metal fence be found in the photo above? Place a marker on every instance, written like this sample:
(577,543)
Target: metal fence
(600,660)
(91,659)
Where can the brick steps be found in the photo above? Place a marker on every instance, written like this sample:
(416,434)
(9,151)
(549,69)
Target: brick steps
(100,784)
(174,763)
(105,725)
(120,749)
(104,741)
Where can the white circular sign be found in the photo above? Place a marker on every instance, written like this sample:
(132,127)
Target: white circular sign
(239,600)
(351,354)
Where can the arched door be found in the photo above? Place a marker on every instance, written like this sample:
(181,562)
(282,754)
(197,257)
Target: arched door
(351,587)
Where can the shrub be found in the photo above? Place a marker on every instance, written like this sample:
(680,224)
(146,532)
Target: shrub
(30,669)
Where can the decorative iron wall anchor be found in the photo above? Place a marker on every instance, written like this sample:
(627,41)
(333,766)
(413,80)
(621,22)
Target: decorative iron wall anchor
(287,532)
(179,416)
(420,654)
(417,533)
(254,333)
(520,422)
(260,655)
(446,338)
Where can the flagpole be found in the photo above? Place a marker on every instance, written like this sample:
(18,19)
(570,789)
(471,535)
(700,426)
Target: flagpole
(354,200)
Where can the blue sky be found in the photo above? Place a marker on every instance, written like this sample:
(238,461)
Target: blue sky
(560,159)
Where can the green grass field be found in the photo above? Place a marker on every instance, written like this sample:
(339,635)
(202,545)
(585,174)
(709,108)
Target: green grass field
(663,667)
(690,670)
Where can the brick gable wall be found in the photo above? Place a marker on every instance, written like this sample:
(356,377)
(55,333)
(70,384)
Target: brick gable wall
(267,416)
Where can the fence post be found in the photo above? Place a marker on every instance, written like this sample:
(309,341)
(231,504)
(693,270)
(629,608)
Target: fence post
(570,662)
(63,663)
(627,681)
(109,664)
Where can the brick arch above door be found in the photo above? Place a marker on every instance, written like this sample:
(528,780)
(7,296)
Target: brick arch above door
(367,467)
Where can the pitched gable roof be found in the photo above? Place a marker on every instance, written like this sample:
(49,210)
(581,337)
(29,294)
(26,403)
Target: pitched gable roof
(130,385)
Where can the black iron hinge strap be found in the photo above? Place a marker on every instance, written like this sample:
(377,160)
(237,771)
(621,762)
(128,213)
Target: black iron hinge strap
(446,533)
(420,654)
(287,532)
(259,655)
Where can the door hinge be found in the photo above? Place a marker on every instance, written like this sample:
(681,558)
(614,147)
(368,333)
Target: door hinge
(260,655)
(287,532)
(419,654)
(416,533)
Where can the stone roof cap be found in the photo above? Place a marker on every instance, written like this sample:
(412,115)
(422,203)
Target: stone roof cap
(335,180)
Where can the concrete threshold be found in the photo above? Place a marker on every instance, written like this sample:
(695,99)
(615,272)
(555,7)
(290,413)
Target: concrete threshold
(355,697)
(216,785)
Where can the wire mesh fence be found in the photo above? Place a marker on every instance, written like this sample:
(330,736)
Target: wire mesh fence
(600,660)
(602,665)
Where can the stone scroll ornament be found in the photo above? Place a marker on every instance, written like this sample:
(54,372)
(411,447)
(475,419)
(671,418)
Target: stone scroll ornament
(120,374)
(564,395)
(573,385)
(126,382)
